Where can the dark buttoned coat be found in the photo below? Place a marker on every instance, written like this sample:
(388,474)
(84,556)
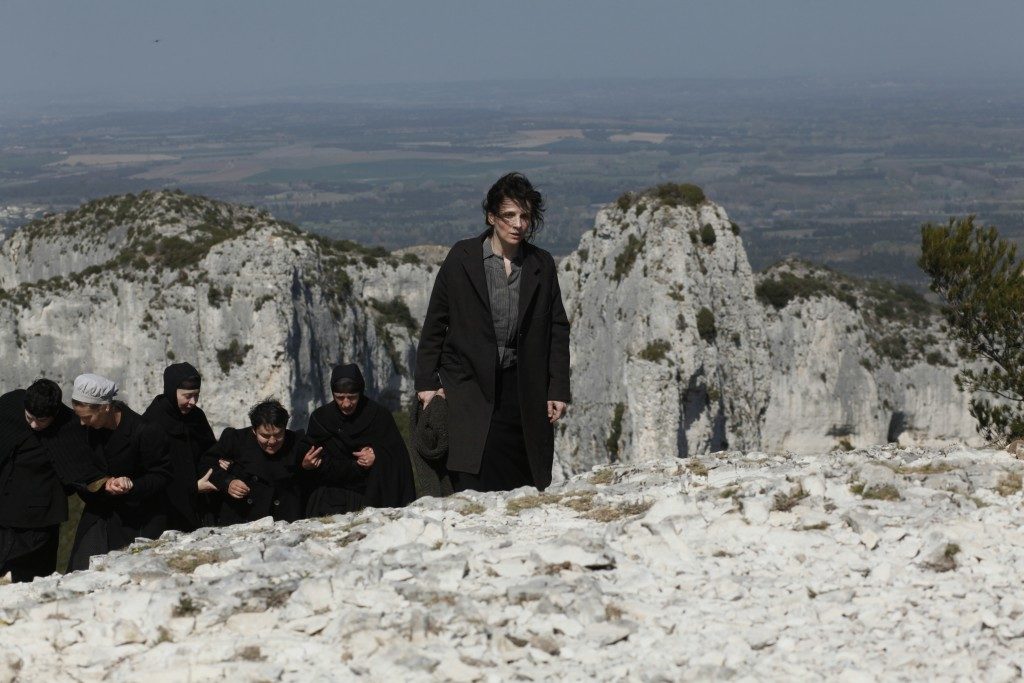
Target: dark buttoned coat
(458,350)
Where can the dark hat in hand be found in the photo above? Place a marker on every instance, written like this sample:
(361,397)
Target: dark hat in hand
(430,434)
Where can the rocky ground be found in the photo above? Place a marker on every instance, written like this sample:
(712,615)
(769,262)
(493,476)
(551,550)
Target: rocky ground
(871,564)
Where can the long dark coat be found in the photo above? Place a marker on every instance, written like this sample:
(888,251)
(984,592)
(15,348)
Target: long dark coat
(34,490)
(136,448)
(37,470)
(274,489)
(188,438)
(459,351)
(339,485)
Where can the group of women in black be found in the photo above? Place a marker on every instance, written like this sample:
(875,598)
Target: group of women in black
(176,476)
(140,475)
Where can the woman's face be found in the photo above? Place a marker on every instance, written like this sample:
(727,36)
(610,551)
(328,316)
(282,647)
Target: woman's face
(187,399)
(90,415)
(346,402)
(270,438)
(511,223)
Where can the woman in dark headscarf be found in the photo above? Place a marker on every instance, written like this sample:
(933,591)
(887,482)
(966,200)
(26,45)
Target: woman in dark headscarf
(364,462)
(260,478)
(188,436)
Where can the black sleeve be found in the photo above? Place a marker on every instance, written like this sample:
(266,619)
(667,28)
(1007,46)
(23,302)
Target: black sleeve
(73,460)
(154,462)
(435,327)
(224,449)
(391,481)
(338,467)
(558,354)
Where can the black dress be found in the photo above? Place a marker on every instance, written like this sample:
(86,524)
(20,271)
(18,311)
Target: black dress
(37,469)
(137,449)
(274,489)
(340,485)
(188,438)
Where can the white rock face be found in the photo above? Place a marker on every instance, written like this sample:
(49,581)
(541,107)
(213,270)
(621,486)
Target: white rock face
(644,382)
(835,366)
(259,307)
(730,565)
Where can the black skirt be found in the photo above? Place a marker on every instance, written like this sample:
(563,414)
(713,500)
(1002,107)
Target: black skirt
(28,553)
(504,465)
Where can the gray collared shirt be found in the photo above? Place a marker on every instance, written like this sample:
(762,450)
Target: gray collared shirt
(503,292)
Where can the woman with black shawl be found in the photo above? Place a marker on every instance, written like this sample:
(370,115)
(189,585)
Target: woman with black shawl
(43,456)
(262,462)
(364,462)
(188,436)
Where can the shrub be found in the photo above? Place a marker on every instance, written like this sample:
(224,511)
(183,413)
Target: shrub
(233,356)
(615,432)
(672,194)
(707,234)
(625,260)
(784,287)
(706,325)
(656,351)
(394,312)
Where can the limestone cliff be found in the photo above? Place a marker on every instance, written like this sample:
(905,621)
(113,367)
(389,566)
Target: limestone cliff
(677,347)
(124,285)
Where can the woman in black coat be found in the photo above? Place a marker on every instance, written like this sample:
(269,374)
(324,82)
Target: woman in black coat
(364,462)
(189,436)
(495,344)
(133,451)
(255,468)
(43,455)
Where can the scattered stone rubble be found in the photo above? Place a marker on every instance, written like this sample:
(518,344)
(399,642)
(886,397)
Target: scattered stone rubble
(879,563)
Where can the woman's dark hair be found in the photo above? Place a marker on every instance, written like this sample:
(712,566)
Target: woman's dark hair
(268,413)
(191,383)
(43,398)
(346,385)
(516,187)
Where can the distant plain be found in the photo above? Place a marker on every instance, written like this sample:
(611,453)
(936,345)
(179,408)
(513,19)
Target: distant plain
(839,173)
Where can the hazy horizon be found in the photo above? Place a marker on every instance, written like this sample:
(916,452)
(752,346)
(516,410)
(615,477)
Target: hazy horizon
(129,52)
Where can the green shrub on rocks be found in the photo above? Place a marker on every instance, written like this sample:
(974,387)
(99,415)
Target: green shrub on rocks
(615,432)
(666,194)
(233,356)
(625,260)
(706,325)
(655,351)
(707,234)
(394,312)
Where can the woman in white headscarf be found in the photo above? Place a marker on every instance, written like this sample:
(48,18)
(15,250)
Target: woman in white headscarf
(133,452)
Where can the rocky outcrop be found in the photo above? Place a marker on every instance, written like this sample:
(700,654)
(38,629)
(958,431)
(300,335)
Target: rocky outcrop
(125,285)
(737,565)
(669,351)
(678,348)
(855,364)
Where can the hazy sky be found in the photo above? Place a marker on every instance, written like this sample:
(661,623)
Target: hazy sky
(58,48)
